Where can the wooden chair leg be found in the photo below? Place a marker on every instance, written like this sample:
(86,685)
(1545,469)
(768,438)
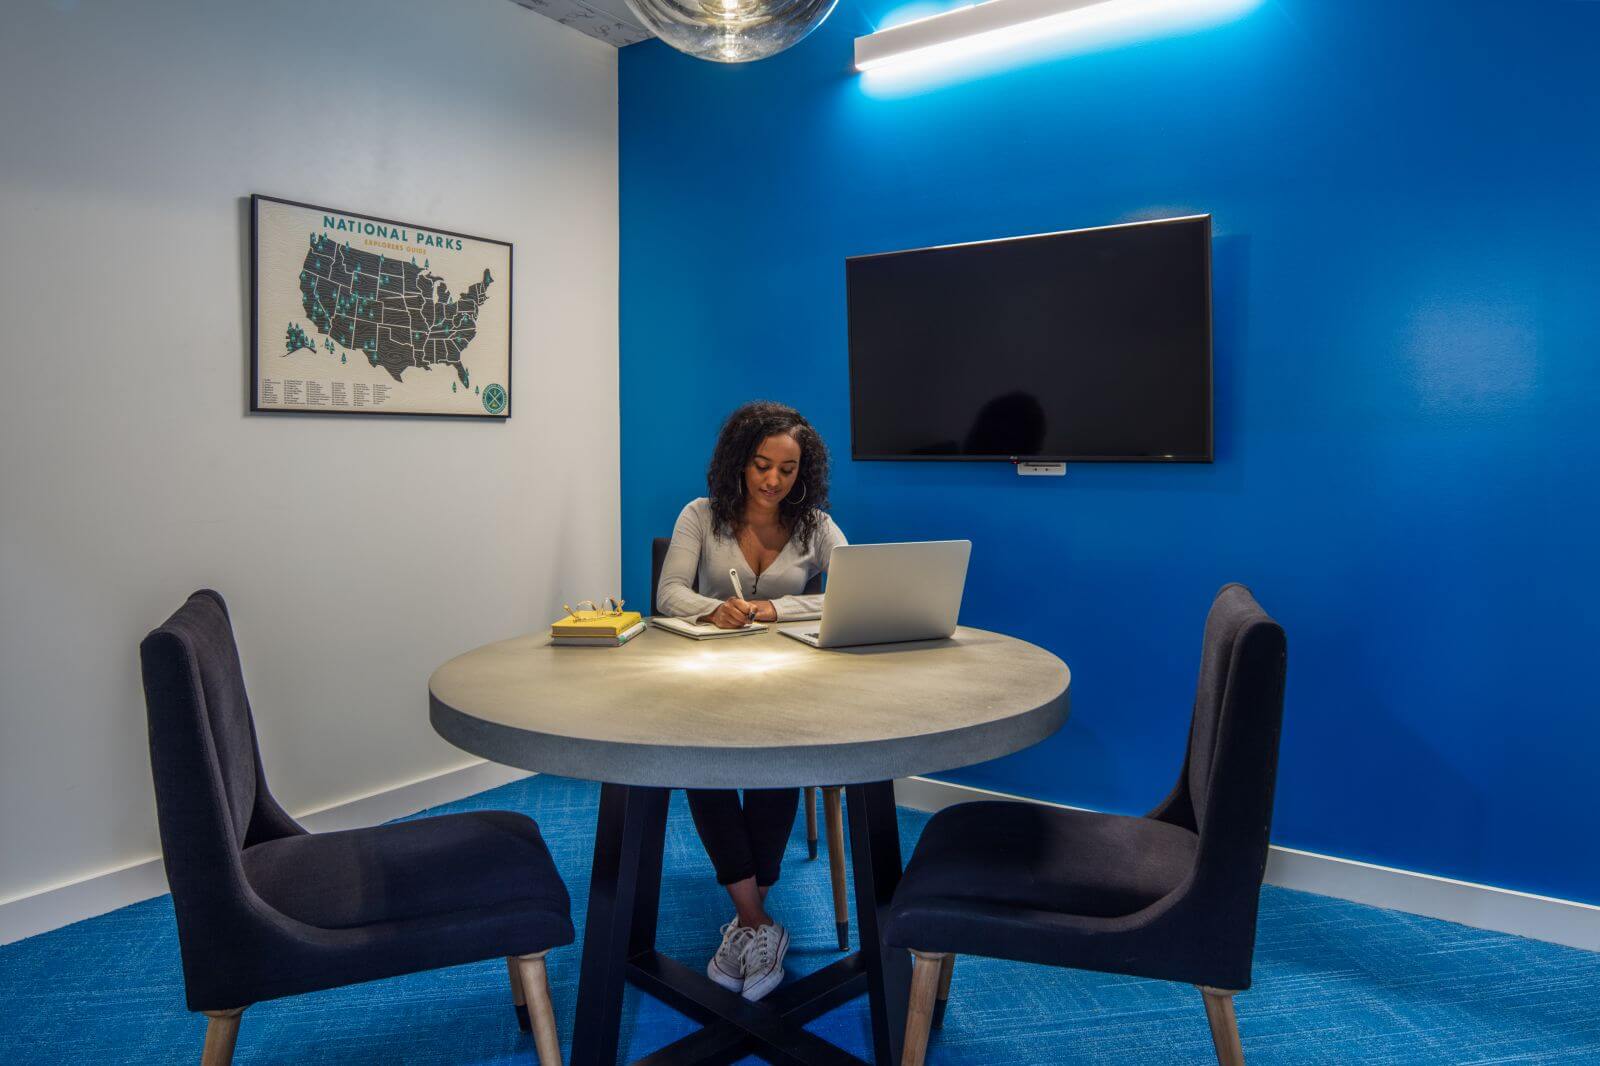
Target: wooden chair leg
(221,1033)
(1224,1026)
(945,971)
(833,814)
(811,821)
(925,973)
(518,1002)
(541,1012)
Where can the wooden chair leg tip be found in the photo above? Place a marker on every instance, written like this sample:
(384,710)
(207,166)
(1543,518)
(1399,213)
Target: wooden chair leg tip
(522,1018)
(811,849)
(1224,1026)
(222,1030)
(938,1013)
(843,929)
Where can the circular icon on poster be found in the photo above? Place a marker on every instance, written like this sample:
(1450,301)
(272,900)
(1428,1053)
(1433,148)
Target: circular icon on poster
(494,399)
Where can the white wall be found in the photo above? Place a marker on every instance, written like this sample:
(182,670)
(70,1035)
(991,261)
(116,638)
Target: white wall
(356,553)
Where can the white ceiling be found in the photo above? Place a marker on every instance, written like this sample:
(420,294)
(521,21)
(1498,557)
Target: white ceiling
(606,20)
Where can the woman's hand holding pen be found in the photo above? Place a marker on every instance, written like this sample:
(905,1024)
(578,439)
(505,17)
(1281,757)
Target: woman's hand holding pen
(731,613)
(736,613)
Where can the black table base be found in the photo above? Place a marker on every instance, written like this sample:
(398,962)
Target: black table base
(619,946)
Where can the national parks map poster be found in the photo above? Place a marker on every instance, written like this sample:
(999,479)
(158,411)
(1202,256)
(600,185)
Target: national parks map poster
(357,314)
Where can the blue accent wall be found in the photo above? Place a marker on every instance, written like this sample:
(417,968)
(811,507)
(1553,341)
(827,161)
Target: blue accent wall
(1407,303)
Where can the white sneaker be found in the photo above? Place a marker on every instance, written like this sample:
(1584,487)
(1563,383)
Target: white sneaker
(763,960)
(726,967)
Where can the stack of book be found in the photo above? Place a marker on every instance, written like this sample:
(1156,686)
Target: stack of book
(605,631)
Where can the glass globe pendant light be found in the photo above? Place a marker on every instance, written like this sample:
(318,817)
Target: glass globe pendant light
(731,31)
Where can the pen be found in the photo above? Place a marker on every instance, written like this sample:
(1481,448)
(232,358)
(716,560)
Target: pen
(738,589)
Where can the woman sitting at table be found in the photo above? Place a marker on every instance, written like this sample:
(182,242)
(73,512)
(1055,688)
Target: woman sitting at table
(765,518)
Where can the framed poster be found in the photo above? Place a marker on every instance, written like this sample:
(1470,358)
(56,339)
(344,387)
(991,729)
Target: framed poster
(355,314)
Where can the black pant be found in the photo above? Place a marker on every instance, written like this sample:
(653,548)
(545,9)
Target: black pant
(746,842)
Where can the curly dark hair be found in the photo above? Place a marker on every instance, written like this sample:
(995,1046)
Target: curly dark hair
(741,435)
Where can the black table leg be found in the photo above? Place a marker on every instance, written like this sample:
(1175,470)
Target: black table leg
(619,946)
(875,853)
(625,881)
(647,886)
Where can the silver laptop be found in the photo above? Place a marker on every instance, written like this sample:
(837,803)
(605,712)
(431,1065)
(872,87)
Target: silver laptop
(883,593)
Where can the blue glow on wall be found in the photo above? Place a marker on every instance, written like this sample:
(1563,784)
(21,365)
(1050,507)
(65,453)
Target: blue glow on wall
(1406,337)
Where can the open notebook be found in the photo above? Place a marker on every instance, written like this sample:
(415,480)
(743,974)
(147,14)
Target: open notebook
(685,627)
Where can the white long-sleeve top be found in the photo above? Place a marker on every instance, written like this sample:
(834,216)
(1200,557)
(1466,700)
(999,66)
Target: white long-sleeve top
(694,575)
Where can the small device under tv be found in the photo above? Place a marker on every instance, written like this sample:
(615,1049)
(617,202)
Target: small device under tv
(1090,345)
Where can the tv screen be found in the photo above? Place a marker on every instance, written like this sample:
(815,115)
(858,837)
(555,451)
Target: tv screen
(1092,344)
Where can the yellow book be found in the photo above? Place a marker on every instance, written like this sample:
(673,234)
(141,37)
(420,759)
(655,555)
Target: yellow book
(608,625)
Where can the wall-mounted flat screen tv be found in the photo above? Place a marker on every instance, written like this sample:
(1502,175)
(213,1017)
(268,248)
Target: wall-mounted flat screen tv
(1088,345)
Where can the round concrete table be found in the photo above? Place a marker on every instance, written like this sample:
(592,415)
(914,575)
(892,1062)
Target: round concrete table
(759,711)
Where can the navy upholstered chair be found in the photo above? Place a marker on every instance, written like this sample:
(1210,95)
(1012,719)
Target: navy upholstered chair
(832,795)
(1171,895)
(266,909)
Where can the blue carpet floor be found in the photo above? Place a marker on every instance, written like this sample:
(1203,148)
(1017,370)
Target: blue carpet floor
(1334,983)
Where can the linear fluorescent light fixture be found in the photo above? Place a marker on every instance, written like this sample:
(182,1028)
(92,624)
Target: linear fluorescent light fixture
(996,24)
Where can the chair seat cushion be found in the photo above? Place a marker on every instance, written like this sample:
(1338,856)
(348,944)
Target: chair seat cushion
(408,870)
(1037,858)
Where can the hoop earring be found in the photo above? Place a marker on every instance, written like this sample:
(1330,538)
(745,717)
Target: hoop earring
(803,491)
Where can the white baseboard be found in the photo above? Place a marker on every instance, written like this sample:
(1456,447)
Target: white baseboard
(1560,921)
(53,906)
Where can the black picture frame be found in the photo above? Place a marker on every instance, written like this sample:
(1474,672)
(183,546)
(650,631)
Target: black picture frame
(255,407)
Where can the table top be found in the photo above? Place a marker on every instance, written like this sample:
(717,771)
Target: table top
(749,711)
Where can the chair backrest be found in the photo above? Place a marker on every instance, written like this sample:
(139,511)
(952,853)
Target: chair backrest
(1225,790)
(211,797)
(658,557)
